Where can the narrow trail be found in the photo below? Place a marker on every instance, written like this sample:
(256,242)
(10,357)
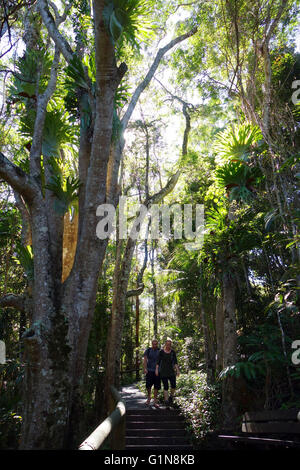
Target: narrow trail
(151,428)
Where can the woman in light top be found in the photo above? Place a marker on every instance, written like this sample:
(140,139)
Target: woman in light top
(167,368)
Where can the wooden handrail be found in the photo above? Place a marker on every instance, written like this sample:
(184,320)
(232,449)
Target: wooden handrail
(108,426)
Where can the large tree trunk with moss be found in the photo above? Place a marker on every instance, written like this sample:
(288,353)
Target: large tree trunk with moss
(219,334)
(229,405)
(154,289)
(61,313)
(209,346)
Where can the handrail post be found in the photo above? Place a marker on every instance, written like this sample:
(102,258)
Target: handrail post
(118,433)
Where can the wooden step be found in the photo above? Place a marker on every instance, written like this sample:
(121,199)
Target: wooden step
(138,424)
(156,429)
(178,448)
(156,440)
(149,432)
(151,411)
(148,417)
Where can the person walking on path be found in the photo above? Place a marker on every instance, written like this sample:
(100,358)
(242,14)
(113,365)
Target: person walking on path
(167,368)
(152,379)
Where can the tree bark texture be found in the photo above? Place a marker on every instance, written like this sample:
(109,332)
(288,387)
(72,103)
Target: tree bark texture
(229,404)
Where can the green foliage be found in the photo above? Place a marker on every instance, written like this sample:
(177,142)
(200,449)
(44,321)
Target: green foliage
(237,143)
(58,131)
(291,162)
(128,21)
(235,146)
(122,95)
(199,402)
(80,82)
(238,179)
(8,223)
(75,73)
(25,258)
(216,219)
(245,369)
(11,376)
(32,78)
(10,429)
(64,188)
(285,300)
(32,67)
(191,352)
(79,78)
(250,237)
(270,219)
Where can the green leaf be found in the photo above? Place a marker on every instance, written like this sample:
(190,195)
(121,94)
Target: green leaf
(75,73)
(237,142)
(270,219)
(128,21)
(115,27)
(257,356)
(64,188)
(60,206)
(25,258)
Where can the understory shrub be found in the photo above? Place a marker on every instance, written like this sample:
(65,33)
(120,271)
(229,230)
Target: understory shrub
(199,402)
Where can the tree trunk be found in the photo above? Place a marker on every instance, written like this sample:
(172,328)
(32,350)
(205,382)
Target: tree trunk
(229,404)
(155,326)
(209,349)
(137,337)
(55,345)
(220,335)
(69,244)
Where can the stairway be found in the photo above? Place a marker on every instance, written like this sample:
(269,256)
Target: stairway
(156,429)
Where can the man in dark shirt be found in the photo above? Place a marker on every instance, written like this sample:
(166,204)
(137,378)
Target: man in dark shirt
(150,361)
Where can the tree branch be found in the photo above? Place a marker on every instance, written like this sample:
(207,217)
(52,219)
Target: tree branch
(135,292)
(15,301)
(60,42)
(26,228)
(42,102)
(185,108)
(156,198)
(175,97)
(17,178)
(141,87)
(276,20)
